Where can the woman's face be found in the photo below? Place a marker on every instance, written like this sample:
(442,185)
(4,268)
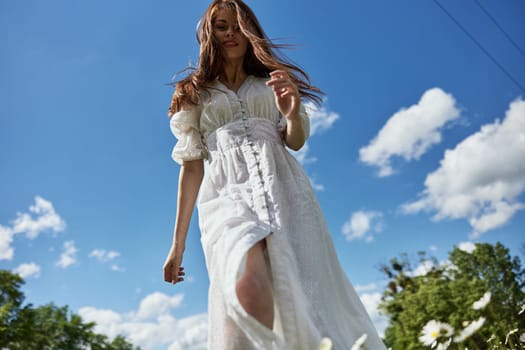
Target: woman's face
(228,34)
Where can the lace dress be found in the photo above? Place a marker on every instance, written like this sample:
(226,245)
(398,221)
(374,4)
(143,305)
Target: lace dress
(254,189)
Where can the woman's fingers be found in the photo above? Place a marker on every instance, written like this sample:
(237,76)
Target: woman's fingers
(279,73)
(281,83)
(177,273)
(285,91)
(173,272)
(283,88)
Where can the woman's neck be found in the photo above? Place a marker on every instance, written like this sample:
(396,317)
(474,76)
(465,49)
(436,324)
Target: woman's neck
(233,75)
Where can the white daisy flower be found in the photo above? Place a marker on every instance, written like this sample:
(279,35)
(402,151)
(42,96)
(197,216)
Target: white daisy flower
(430,333)
(326,344)
(482,302)
(472,328)
(433,330)
(522,338)
(359,342)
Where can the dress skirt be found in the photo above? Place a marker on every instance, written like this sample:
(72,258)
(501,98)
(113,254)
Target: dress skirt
(254,189)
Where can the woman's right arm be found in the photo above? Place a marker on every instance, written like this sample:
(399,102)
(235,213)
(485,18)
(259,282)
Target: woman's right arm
(190,178)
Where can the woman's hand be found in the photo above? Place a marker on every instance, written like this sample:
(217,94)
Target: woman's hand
(286,94)
(173,271)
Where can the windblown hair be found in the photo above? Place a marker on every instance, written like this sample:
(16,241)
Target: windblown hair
(260,59)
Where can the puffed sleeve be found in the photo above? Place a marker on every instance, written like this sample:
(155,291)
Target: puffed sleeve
(185,126)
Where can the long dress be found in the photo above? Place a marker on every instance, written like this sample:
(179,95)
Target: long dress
(254,189)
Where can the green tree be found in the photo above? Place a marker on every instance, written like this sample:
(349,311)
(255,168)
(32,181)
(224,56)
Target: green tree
(47,327)
(447,292)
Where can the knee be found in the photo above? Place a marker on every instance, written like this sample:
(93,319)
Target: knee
(250,290)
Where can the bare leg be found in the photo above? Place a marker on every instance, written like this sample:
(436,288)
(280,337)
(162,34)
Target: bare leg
(254,288)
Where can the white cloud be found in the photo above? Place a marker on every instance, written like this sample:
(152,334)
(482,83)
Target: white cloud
(28,270)
(6,238)
(153,326)
(41,217)
(361,225)
(46,219)
(104,256)
(468,247)
(482,178)
(371,302)
(157,304)
(321,119)
(117,268)
(423,268)
(410,132)
(68,256)
(365,288)
(426,266)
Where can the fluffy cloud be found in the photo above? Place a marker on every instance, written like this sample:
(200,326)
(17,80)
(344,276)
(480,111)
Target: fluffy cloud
(45,219)
(41,217)
(423,268)
(468,247)
(371,302)
(28,270)
(321,119)
(158,304)
(410,132)
(6,238)
(482,178)
(104,256)
(362,224)
(152,326)
(426,266)
(68,256)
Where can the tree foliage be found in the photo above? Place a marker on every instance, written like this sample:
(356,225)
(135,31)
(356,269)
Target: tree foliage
(446,293)
(47,327)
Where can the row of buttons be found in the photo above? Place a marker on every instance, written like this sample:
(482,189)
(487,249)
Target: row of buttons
(255,154)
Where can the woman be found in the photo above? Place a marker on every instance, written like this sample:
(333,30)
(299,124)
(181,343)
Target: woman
(275,281)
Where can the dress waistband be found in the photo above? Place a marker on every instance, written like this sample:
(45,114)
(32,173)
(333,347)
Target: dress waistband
(243,131)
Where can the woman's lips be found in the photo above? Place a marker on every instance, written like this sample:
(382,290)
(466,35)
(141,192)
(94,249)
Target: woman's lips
(230,44)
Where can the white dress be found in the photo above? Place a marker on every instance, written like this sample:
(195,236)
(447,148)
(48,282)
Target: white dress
(253,188)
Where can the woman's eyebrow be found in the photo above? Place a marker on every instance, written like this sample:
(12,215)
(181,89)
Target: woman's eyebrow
(221,20)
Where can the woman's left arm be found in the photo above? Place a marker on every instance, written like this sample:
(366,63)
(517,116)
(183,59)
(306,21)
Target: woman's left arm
(288,102)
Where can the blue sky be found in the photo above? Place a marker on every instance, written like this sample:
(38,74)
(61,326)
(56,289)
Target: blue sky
(418,145)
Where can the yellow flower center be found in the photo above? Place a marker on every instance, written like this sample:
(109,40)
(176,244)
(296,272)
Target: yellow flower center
(434,334)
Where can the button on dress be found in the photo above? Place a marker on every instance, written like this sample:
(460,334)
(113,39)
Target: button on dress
(254,189)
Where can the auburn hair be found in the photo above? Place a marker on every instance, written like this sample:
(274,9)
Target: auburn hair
(261,58)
